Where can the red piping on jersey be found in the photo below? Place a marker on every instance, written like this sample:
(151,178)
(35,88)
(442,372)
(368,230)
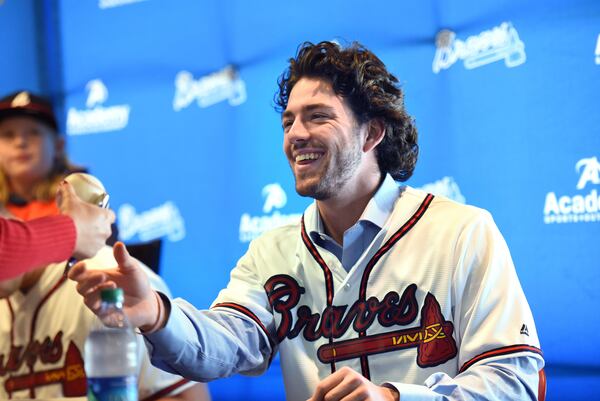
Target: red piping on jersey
(362,295)
(42,302)
(245,311)
(166,391)
(328,277)
(364,281)
(511,349)
(542,385)
(12,322)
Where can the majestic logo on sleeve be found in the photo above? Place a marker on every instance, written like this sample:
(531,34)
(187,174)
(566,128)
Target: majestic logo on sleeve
(432,338)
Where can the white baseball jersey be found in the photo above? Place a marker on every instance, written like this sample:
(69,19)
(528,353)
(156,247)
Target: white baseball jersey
(42,335)
(435,292)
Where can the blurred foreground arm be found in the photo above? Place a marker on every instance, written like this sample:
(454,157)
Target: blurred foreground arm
(28,245)
(25,246)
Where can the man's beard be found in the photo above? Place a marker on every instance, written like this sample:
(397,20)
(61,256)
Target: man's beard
(335,175)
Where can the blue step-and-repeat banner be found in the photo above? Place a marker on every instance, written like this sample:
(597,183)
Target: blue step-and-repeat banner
(170,104)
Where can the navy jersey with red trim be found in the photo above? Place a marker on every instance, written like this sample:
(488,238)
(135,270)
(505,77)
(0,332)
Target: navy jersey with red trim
(435,292)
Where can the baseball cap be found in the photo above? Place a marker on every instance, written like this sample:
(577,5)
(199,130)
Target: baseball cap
(24,103)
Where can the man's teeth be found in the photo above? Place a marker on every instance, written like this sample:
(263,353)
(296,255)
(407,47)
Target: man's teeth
(308,156)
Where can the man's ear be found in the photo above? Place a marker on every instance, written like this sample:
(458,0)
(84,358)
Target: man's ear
(375,134)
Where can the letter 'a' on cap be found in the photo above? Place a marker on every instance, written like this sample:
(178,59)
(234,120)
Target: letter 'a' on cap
(112,295)
(27,104)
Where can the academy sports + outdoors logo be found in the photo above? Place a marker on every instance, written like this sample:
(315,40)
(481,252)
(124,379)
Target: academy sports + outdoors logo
(211,89)
(499,43)
(97,118)
(581,207)
(275,198)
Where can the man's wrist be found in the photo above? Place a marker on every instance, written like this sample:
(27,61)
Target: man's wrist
(393,391)
(161,316)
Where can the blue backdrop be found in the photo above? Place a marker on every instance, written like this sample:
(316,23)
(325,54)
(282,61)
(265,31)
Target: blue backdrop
(170,105)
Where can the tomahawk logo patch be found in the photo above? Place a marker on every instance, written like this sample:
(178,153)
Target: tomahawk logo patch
(48,352)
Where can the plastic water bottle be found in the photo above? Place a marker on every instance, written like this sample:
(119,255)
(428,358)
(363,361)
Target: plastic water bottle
(111,352)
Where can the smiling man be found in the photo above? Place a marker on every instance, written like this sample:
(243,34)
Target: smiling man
(380,292)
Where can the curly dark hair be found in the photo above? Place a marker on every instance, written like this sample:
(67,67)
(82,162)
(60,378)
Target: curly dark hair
(371,91)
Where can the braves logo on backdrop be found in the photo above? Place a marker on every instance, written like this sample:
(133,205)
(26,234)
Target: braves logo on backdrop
(71,376)
(432,337)
(581,207)
(499,43)
(161,221)
(208,90)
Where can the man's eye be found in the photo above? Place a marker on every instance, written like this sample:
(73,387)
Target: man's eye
(287,124)
(317,116)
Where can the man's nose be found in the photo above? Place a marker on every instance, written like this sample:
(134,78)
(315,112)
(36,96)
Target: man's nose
(298,132)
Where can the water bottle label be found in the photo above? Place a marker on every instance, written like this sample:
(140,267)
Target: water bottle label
(122,388)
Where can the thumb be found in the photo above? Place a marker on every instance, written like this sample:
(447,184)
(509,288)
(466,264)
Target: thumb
(65,193)
(126,262)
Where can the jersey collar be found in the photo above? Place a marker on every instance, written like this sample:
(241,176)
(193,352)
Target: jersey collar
(377,211)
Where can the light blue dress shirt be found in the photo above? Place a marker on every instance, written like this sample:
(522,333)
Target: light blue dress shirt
(358,237)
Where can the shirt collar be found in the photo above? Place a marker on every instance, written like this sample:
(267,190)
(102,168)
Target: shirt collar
(377,210)
(381,204)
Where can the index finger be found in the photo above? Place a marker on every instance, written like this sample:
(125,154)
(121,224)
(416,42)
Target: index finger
(87,280)
(77,272)
(326,385)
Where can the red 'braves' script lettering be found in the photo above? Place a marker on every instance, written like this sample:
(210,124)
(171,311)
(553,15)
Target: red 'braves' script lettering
(48,351)
(284,294)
